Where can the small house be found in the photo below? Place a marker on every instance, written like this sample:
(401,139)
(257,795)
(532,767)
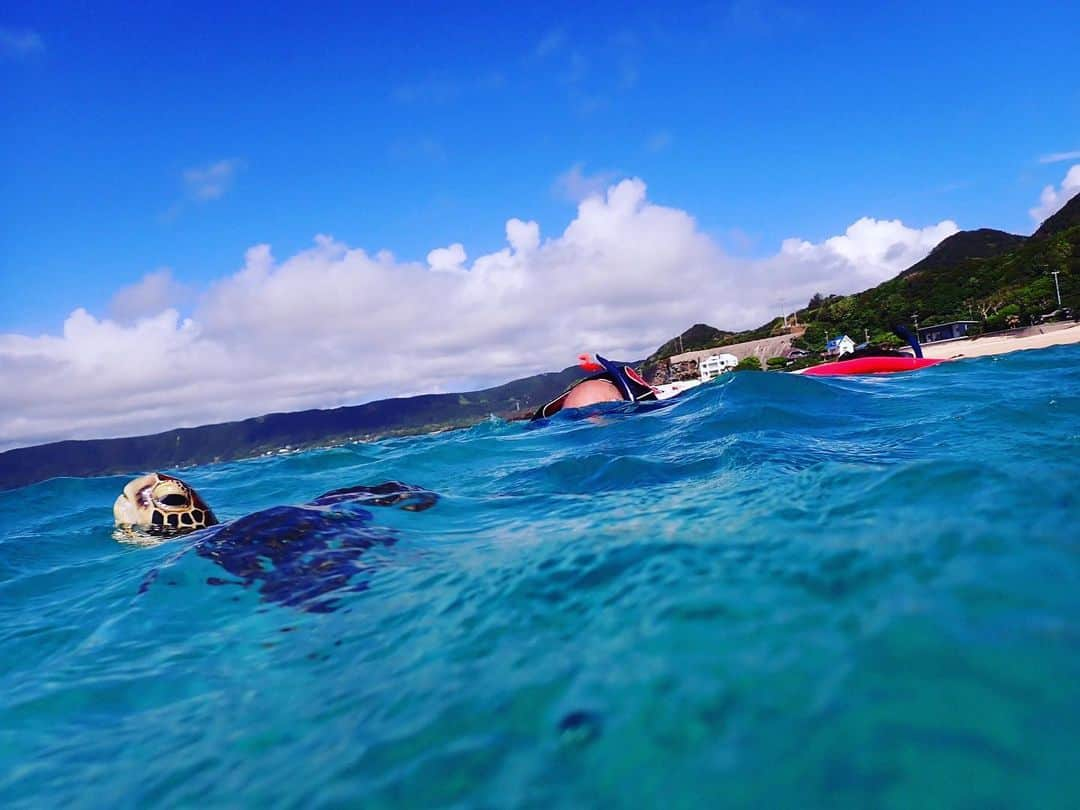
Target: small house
(838,347)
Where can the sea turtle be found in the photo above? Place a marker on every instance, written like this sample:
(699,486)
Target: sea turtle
(297,555)
(161,504)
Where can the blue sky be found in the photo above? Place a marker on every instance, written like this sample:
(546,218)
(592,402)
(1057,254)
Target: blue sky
(141,137)
(411,127)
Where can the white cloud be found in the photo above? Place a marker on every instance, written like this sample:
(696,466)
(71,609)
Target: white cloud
(873,249)
(1060,157)
(1053,199)
(334,324)
(575,185)
(447,258)
(153,293)
(213,180)
(20,43)
(523,237)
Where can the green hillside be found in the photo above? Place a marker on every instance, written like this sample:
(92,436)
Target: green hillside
(996,278)
(1012,287)
(983,243)
(698,336)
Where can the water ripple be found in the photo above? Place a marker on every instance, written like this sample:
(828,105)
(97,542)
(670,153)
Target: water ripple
(775,591)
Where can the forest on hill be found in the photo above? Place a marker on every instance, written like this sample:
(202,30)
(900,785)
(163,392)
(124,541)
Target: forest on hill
(995,278)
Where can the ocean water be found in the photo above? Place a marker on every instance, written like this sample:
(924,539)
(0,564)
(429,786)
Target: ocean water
(776,591)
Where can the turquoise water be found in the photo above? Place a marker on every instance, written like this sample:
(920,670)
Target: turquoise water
(777,591)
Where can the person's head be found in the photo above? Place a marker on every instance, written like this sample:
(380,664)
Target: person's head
(592,392)
(612,382)
(160,504)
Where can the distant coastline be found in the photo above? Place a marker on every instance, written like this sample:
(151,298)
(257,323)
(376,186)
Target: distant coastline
(279,432)
(1033,337)
(282,433)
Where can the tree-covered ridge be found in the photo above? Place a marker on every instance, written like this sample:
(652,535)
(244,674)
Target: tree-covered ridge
(1000,291)
(1063,220)
(993,277)
(983,243)
(698,336)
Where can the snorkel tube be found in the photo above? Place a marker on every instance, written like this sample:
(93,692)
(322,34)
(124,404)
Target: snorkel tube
(904,334)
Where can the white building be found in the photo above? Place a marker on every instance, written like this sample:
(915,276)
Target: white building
(715,365)
(838,347)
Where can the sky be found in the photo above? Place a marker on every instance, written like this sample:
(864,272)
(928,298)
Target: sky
(211,213)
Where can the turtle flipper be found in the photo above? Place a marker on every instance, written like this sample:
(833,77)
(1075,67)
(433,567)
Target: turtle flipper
(390,493)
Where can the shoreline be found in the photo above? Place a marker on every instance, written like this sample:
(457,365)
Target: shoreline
(1043,337)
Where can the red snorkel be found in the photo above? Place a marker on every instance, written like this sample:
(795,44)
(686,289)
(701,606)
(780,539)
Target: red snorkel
(586,363)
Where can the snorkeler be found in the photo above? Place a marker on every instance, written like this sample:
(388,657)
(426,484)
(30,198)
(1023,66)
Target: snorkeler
(609,382)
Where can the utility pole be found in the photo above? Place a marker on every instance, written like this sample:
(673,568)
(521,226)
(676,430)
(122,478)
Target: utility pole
(915,318)
(1054,273)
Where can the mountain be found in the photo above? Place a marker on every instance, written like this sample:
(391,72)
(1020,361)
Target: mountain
(952,250)
(249,437)
(986,275)
(698,336)
(1068,217)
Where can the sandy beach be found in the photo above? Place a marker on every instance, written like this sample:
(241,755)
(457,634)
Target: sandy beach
(1035,337)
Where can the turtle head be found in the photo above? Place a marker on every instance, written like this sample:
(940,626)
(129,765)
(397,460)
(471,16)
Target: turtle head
(160,504)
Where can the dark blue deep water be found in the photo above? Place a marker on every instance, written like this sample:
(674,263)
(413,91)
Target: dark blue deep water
(778,591)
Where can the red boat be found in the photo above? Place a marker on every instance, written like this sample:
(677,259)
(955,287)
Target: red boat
(870,365)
